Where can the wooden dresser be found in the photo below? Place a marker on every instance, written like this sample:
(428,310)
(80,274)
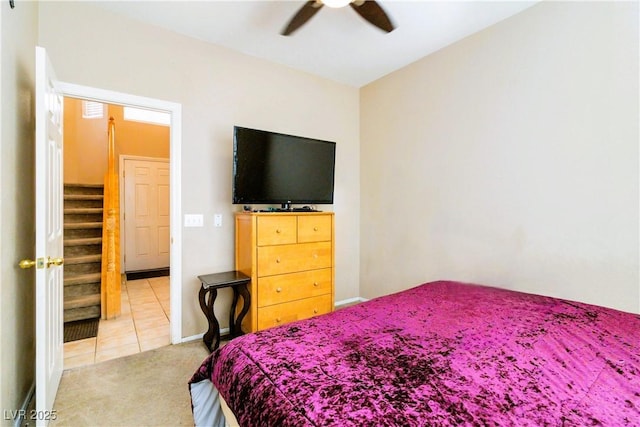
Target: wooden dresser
(290,259)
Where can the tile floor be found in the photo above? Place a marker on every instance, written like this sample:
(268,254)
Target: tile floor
(143,325)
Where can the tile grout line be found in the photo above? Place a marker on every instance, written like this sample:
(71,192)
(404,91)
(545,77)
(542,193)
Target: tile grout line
(160,303)
(135,324)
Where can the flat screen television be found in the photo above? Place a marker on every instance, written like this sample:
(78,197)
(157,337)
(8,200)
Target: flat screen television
(274,168)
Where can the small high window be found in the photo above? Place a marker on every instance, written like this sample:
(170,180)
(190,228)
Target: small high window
(92,110)
(147,116)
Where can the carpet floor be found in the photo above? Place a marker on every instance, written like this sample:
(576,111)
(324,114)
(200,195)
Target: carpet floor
(144,389)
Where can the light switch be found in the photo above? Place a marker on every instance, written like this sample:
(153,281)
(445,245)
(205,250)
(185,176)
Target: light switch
(217,220)
(193,220)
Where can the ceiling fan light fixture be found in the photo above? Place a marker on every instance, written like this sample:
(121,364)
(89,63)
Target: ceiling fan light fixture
(336,3)
(370,10)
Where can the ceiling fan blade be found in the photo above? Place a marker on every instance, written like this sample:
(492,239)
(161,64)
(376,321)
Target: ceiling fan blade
(373,13)
(305,13)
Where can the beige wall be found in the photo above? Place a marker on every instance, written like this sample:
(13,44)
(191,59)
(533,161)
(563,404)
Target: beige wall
(86,142)
(19,28)
(217,88)
(510,158)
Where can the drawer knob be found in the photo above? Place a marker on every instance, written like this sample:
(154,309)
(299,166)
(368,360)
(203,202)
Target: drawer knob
(278,231)
(315,228)
(278,320)
(278,290)
(315,256)
(278,260)
(315,311)
(315,284)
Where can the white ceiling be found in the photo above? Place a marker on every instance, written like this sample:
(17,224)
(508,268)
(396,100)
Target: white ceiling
(336,43)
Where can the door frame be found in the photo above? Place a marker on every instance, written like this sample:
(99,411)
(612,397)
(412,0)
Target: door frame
(121,159)
(175,146)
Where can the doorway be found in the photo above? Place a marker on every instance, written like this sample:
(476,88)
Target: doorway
(171,303)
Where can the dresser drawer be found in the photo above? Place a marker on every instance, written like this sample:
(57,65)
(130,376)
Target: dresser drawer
(293,286)
(276,230)
(280,314)
(314,228)
(283,259)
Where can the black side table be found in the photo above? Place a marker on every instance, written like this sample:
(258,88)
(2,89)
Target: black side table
(210,285)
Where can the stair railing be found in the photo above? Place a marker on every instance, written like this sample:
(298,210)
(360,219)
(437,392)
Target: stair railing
(111,280)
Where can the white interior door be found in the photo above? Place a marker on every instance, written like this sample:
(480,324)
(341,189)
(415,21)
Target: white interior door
(49,235)
(146,214)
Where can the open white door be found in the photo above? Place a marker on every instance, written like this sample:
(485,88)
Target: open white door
(49,236)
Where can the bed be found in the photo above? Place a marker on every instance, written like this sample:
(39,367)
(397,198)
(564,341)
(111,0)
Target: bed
(442,353)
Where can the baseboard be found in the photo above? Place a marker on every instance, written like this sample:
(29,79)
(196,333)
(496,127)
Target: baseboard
(349,301)
(24,409)
(147,274)
(223,332)
(191,338)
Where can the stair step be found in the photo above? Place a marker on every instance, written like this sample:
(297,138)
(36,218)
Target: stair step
(83,197)
(83,189)
(82,233)
(82,279)
(83,259)
(81,301)
(83,203)
(83,241)
(87,268)
(82,313)
(81,225)
(77,211)
(72,185)
(73,251)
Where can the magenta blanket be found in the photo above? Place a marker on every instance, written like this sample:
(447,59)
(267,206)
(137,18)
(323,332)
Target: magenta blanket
(443,353)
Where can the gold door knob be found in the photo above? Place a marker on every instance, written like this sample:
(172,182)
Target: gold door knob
(278,231)
(315,311)
(278,260)
(315,284)
(26,263)
(54,261)
(278,320)
(278,290)
(315,228)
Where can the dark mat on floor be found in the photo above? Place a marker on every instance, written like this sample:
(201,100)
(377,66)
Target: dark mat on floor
(81,329)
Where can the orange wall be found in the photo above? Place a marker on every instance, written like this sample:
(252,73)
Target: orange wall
(85,145)
(85,142)
(139,139)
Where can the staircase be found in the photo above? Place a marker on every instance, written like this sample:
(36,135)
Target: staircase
(83,208)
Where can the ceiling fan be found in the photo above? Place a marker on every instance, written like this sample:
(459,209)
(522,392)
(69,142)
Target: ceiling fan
(370,10)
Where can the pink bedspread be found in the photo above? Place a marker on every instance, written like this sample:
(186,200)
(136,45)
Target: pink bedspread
(443,353)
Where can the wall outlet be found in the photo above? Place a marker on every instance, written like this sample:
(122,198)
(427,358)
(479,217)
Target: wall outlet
(217,220)
(193,220)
